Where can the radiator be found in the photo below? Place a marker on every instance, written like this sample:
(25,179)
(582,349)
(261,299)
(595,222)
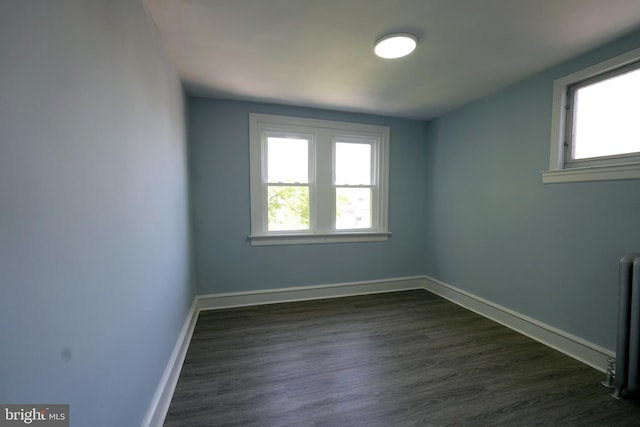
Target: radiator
(627,371)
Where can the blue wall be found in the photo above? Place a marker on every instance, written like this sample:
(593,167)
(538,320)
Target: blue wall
(94,237)
(547,251)
(225,260)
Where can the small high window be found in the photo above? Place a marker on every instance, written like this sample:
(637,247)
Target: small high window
(604,113)
(595,126)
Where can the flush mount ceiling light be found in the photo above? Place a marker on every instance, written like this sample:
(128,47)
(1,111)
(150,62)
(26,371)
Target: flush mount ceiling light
(395,45)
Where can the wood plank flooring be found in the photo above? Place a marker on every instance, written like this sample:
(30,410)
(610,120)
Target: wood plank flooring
(395,359)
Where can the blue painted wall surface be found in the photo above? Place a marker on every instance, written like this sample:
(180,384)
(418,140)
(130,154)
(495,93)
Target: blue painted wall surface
(225,260)
(94,237)
(547,251)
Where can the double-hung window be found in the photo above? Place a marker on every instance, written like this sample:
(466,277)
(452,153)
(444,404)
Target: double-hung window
(317,181)
(595,124)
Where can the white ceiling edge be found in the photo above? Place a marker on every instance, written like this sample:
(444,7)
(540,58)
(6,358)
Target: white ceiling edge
(304,53)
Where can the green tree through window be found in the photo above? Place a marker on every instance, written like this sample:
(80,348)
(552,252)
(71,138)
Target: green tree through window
(288,208)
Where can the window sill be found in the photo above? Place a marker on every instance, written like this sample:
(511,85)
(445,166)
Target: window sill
(306,239)
(592,173)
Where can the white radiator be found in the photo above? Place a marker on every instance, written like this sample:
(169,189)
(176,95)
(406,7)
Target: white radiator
(627,376)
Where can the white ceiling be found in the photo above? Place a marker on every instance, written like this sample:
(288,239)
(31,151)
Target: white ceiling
(319,53)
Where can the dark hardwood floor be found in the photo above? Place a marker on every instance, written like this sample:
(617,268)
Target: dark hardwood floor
(395,359)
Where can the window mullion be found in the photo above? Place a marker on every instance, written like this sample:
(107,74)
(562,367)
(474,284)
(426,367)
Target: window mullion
(313,186)
(325,194)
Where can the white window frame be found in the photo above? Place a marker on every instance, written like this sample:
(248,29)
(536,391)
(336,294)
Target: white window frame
(606,168)
(322,135)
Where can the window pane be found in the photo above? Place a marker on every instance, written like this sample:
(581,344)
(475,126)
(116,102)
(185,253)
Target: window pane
(606,117)
(287,160)
(288,208)
(353,164)
(353,208)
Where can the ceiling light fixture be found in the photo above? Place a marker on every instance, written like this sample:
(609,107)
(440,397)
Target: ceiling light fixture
(395,45)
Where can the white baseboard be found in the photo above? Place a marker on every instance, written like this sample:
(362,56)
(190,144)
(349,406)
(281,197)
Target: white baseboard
(582,350)
(303,293)
(586,352)
(164,392)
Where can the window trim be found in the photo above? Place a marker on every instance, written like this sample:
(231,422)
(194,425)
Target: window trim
(323,132)
(589,170)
